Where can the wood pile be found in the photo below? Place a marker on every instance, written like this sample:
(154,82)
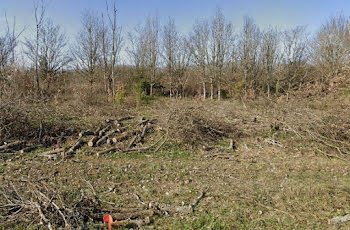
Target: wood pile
(115,135)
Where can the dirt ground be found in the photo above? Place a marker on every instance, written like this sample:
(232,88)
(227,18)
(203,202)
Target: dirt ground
(289,168)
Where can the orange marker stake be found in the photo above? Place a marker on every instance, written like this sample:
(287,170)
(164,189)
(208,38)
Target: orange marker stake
(109,220)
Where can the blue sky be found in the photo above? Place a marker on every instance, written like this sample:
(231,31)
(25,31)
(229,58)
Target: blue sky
(281,13)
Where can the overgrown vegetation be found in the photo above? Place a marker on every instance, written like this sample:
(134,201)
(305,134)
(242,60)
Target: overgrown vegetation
(143,142)
(288,168)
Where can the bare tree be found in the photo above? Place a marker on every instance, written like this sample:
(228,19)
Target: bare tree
(200,50)
(116,43)
(249,50)
(137,50)
(111,43)
(295,57)
(182,60)
(233,69)
(170,43)
(39,14)
(51,55)
(220,43)
(86,51)
(151,30)
(177,55)
(270,56)
(330,48)
(144,50)
(105,47)
(8,44)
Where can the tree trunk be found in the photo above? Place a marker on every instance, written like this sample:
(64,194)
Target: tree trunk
(151,89)
(106,82)
(113,81)
(204,91)
(36,59)
(171,88)
(219,87)
(211,89)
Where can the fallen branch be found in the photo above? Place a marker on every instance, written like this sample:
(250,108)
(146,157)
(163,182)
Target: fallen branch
(108,151)
(86,133)
(123,137)
(76,146)
(273,142)
(125,118)
(232,145)
(103,139)
(104,130)
(29,149)
(55,151)
(132,142)
(13,145)
(97,131)
(93,141)
(144,122)
(181,209)
(43,217)
(163,142)
(196,201)
(339,219)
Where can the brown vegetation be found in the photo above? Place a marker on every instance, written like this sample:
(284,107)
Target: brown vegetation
(143,143)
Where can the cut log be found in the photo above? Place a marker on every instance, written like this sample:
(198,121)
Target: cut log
(16,145)
(144,122)
(121,130)
(103,139)
(132,142)
(104,130)
(76,146)
(232,145)
(97,131)
(114,122)
(109,141)
(86,133)
(144,130)
(29,149)
(93,141)
(110,121)
(114,140)
(125,118)
(124,136)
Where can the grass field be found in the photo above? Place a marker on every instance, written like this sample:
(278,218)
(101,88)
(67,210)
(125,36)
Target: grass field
(289,169)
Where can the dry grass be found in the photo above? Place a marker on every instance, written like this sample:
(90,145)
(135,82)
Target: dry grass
(289,170)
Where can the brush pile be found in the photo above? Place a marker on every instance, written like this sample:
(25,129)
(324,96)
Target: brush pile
(115,135)
(39,203)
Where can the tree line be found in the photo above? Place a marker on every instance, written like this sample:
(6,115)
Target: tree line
(214,60)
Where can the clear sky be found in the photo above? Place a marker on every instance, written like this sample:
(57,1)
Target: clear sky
(281,13)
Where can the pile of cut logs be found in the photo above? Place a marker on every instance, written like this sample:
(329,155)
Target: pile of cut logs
(113,136)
